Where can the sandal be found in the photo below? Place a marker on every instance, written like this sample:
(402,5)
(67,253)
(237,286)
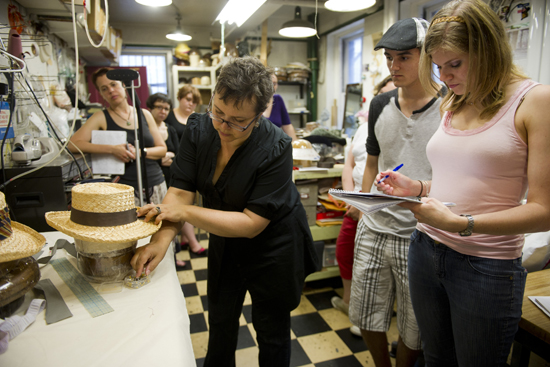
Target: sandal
(201,253)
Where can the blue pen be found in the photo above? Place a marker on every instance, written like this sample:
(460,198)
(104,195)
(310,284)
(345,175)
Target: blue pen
(394,170)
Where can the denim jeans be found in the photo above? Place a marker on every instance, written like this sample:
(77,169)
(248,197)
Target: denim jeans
(467,307)
(270,320)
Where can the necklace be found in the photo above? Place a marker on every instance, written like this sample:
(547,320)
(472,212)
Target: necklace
(128,123)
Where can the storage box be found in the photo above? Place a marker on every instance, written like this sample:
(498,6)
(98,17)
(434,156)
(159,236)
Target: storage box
(311,213)
(308,193)
(329,255)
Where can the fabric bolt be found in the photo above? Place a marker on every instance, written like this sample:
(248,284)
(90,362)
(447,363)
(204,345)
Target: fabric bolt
(154,173)
(380,276)
(397,139)
(279,115)
(488,173)
(481,303)
(258,177)
(345,243)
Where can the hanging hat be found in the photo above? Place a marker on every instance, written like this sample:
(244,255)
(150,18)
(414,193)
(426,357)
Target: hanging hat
(17,241)
(104,213)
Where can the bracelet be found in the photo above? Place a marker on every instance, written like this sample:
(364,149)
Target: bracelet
(144,152)
(421,189)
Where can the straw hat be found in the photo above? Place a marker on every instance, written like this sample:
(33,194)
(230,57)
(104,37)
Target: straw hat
(17,241)
(104,213)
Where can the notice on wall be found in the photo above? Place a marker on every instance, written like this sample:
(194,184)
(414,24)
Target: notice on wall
(4,119)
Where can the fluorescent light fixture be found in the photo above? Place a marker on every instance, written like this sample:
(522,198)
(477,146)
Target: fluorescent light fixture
(349,5)
(298,28)
(178,34)
(154,3)
(238,11)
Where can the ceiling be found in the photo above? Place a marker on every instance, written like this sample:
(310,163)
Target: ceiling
(197,15)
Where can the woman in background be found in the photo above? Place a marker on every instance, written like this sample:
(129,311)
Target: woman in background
(352,179)
(188,97)
(119,116)
(465,273)
(276,112)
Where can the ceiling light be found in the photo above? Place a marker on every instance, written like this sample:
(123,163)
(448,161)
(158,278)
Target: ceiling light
(349,5)
(298,28)
(178,34)
(154,3)
(238,11)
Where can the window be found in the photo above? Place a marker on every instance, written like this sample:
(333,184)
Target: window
(352,59)
(156,70)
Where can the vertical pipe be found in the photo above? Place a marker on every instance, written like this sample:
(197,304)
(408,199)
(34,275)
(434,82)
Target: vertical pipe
(312,57)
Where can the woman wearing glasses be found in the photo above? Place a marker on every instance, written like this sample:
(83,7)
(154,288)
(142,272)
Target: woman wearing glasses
(259,237)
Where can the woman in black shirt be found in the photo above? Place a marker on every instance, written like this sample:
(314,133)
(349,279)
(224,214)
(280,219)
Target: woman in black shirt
(259,237)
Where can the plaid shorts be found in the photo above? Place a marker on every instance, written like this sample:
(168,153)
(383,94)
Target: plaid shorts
(380,275)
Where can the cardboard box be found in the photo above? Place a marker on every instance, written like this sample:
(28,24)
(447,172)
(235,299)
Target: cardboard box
(96,22)
(311,213)
(308,193)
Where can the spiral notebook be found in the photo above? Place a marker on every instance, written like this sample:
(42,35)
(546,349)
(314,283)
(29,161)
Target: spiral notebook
(371,202)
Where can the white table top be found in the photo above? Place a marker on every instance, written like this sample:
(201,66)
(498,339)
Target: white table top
(149,325)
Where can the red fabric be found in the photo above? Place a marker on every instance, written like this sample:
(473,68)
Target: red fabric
(345,244)
(142,92)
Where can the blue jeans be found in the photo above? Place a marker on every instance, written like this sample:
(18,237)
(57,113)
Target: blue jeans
(467,307)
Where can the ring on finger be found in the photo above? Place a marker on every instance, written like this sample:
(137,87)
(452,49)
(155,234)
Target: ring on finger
(158,210)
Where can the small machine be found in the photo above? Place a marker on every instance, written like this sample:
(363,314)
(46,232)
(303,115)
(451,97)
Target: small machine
(27,150)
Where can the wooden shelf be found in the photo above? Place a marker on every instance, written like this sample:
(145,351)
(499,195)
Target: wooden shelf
(335,171)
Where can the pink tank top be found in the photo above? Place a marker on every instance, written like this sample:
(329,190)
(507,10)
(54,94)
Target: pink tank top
(483,171)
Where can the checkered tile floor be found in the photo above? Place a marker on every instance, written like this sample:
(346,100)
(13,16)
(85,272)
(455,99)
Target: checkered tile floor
(320,334)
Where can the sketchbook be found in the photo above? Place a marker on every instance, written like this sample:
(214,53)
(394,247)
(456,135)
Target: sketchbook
(107,163)
(370,202)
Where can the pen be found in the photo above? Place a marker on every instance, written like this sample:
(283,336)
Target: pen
(394,170)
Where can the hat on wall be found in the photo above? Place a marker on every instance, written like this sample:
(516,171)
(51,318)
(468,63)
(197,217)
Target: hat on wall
(103,213)
(17,241)
(403,35)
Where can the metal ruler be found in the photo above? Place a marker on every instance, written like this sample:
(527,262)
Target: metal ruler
(92,301)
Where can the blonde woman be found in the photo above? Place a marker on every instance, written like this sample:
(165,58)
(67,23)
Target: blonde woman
(465,273)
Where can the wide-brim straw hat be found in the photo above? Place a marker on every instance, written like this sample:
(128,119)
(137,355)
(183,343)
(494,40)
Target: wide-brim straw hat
(103,213)
(17,241)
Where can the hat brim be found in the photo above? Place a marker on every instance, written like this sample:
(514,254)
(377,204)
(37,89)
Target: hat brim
(116,234)
(23,242)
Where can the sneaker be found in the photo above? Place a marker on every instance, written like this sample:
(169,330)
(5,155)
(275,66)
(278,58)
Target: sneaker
(355,330)
(339,304)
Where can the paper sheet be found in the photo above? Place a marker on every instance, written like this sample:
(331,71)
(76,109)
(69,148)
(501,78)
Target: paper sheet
(543,303)
(107,163)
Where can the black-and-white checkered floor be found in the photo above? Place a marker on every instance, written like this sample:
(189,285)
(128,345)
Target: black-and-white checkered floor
(320,333)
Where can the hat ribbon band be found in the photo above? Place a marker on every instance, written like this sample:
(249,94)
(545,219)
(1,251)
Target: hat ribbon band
(103,219)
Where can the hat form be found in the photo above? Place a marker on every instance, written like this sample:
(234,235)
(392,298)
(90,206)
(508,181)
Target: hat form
(404,35)
(103,213)
(17,241)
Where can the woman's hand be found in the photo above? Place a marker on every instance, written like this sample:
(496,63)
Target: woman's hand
(433,213)
(124,152)
(397,184)
(147,258)
(159,212)
(167,160)
(353,213)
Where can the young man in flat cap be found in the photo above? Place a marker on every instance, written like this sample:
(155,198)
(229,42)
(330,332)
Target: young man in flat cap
(400,124)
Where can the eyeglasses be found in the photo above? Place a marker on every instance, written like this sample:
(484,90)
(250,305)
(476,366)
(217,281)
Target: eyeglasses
(230,124)
(167,109)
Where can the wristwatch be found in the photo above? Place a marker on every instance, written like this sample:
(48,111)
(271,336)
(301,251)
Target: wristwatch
(470,228)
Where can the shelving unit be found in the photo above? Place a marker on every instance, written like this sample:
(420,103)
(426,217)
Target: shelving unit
(322,233)
(191,72)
